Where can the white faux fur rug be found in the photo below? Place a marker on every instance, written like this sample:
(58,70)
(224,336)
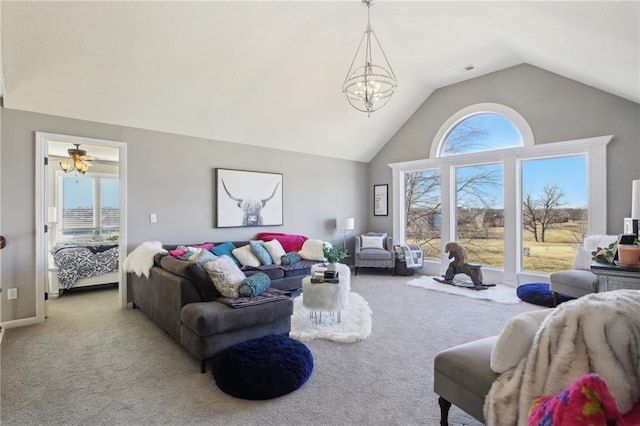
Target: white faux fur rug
(500,293)
(355,324)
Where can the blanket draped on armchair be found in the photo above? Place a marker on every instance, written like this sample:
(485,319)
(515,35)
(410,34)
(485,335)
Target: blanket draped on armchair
(598,333)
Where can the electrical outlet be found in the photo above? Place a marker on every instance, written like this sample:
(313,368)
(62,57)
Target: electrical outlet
(12,293)
(153,218)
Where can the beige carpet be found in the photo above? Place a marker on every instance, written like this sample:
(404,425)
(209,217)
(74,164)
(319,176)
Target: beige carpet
(93,364)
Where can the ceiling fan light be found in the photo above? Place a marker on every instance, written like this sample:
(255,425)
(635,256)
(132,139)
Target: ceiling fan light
(65,165)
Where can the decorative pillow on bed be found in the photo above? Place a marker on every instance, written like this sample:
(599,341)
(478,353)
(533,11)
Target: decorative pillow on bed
(254,285)
(312,250)
(258,248)
(225,274)
(371,241)
(225,249)
(276,251)
(245,256)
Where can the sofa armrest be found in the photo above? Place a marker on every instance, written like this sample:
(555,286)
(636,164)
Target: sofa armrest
(162,296)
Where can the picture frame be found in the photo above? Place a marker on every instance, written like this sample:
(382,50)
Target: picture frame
(248,198)
(381,200)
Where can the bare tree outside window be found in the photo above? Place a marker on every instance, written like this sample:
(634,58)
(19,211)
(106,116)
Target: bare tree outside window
(554,216)
(423,211)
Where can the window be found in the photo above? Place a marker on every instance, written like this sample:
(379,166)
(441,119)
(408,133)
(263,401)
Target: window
(554,211)
(88,206)
(424,211)
(480,213)
(480,132)
(477,190)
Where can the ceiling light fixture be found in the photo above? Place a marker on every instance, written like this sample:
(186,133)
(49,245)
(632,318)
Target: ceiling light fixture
(78,160)
(369,87)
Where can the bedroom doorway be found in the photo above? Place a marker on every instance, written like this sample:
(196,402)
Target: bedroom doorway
(80,215)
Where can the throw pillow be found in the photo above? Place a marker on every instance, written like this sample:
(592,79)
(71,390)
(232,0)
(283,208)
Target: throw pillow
(377,234)
(254,285)
(257,247)
(204,256)
(276,251)
(225,275)
(225,249)
(290,258)
(516,339)
(245,256)
(290,242)
(583,259)
(370,241)
(312,250)
(178,252)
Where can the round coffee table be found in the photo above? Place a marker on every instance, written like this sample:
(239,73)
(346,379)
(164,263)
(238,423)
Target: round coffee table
(327,297)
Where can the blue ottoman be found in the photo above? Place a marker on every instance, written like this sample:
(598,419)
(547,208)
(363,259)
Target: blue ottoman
(539,294)
(263,368)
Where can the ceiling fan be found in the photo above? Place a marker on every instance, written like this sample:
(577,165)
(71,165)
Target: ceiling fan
(78,160)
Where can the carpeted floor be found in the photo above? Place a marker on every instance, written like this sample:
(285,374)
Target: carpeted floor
(91,363)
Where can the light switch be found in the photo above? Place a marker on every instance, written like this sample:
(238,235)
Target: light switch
(153,218)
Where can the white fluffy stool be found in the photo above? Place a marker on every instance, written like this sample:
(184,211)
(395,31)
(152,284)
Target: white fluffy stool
(327,297)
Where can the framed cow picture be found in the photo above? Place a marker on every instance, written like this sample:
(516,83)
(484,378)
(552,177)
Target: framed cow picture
(246,198)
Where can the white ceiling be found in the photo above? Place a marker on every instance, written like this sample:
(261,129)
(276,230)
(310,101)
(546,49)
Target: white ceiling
(270,73)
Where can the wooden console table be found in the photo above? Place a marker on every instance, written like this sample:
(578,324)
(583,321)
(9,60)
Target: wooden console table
(614,277)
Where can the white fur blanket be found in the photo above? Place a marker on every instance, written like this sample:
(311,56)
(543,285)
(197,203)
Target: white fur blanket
(140,260)
(598,333)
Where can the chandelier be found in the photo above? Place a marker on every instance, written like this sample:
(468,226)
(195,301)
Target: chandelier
(369,87)
(78,160)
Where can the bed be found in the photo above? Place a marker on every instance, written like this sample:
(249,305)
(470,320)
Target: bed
(83,264)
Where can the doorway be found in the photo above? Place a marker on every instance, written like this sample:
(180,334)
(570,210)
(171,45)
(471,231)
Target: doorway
(80,199)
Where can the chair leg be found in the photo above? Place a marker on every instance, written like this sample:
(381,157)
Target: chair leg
(203,366)
(555,298)
(444,411)
(356,270)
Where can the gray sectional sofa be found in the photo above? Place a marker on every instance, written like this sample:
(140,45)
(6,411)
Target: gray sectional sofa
(180,297)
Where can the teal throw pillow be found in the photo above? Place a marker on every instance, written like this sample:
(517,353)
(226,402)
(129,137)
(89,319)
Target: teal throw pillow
(291,258)
(254,285)
(225,249)
(258,248)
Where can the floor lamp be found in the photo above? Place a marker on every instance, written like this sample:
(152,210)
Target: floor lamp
(346,225)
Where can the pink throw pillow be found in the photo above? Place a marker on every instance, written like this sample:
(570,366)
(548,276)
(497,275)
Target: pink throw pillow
(289,242)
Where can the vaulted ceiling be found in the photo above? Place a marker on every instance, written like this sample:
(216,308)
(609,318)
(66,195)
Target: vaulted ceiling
(270,73)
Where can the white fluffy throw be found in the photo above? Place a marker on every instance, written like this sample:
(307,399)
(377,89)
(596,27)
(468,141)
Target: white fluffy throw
(597,333)
(140,260)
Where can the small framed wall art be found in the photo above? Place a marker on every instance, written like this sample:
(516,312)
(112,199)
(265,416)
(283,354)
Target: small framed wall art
(380,200)
(246,198)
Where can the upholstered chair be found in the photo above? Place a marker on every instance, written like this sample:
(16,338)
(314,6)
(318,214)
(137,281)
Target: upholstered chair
(374,250)
(579,281)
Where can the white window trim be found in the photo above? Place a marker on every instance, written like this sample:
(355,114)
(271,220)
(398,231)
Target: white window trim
(595,151)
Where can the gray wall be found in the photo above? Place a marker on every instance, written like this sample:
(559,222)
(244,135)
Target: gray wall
(172,176)
(556,108)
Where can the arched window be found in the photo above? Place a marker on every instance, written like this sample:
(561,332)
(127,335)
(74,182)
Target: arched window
(480,132)
(517,207)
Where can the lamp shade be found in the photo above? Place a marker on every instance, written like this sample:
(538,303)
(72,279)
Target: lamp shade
(635,200)
(346,223)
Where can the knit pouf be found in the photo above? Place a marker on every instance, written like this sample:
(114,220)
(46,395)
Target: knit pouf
(263,368)
(539,294)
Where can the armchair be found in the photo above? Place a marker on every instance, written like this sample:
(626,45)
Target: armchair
(579,281)
(374,250)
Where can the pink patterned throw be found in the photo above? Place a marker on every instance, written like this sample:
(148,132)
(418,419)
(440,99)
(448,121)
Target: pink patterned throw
(586,402)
